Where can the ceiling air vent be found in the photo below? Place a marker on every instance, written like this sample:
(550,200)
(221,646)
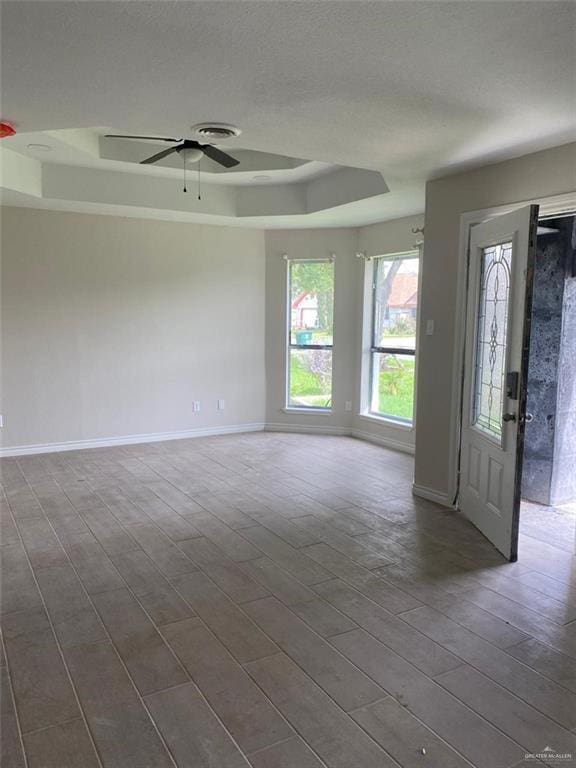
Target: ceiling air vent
(215,131)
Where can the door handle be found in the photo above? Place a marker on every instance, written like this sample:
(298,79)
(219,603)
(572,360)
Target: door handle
(509,417)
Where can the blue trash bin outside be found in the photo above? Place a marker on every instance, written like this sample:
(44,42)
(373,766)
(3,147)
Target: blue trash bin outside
(303,337)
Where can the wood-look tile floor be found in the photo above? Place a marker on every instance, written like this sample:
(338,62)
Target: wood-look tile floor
(275,601)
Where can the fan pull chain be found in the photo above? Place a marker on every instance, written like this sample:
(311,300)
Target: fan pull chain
(199,195)
(184,169)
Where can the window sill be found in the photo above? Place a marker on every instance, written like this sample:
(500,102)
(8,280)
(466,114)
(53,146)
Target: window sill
(310,411)
(388,422)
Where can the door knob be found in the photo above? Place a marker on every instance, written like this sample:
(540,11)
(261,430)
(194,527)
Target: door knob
(509,417)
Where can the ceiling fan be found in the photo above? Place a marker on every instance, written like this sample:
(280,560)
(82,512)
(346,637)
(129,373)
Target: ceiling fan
(193,150)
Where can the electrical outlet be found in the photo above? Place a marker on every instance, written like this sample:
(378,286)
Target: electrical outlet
(196,406)
(221,405)
(348,405)
(1,421)
(429,327)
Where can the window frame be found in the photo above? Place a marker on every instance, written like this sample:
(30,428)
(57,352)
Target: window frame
(316,409)
(372,349)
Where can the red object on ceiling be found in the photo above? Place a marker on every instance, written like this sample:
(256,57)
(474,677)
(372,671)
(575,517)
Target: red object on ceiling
(6,130)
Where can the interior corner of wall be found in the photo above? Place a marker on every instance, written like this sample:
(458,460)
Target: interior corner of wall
(20,174)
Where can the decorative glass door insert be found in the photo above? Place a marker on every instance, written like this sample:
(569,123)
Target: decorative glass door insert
(491,340)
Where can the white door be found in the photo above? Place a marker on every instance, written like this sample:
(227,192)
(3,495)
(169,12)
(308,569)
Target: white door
(496,361)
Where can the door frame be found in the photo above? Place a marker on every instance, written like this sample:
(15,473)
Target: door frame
(549,206)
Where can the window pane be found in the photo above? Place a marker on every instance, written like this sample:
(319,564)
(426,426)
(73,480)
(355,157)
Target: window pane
(393,386)
(311,302)
(395,303)
(310,384)
(491,330)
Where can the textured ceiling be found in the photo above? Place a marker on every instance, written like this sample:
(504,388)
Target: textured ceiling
(412,89)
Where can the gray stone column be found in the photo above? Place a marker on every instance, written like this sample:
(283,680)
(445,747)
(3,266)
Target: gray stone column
(549,473)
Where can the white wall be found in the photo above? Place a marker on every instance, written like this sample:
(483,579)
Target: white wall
(523,179)
(112,327)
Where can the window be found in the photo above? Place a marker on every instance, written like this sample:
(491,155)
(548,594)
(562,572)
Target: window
(393,338)
(310,334)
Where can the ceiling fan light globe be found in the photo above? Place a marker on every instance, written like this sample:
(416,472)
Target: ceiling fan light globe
(192,155)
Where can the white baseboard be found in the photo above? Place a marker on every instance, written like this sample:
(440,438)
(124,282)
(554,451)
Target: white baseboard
(309,429)
(327,429)
(107,442)
(155,437)
(431,495)
(385,442)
